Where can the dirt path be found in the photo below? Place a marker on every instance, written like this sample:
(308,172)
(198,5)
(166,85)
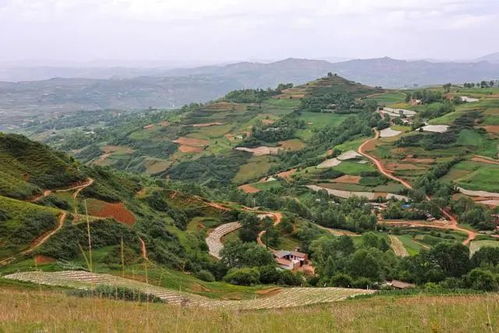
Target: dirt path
(338,232)
(277,217)
(143,249)
(77,187)
(453,225)
(60,222)
(397,246)
(484,159)
(39,241)
(214,239)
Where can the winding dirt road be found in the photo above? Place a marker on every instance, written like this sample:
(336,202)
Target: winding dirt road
(452,225)
(60,221)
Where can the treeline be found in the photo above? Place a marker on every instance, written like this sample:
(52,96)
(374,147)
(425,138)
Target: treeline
(281,130)
(341,263)
(255,95)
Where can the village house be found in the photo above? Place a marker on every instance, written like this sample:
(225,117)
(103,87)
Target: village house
(290,260)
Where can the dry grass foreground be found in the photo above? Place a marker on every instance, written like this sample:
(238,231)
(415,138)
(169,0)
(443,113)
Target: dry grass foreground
(55,312)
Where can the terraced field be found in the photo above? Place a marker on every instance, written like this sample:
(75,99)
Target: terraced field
(279,298)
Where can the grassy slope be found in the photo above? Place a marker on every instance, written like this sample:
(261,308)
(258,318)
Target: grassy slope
(53,311)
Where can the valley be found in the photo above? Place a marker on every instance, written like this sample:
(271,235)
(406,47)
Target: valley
(263,199)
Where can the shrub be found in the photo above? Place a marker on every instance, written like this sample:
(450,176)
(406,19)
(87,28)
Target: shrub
(117,293)
(243,276)
(205,275)
(341,280)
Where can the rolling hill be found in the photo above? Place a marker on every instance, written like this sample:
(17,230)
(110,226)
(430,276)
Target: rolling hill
(173,88)
(262,199)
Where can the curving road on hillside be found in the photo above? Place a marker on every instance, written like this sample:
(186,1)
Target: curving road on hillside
(452,225)
(60,221)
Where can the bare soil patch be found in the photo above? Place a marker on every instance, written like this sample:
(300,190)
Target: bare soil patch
(113,149)
(207,124)
(269,291)
(148,127)
(484,160)
(260,151)
(419,160)
(40,259)
(191,142)
(248,188)
(494,129)
(118,211)
(286,174)
(347,179)
(164,123)
(190,149)
(403,166)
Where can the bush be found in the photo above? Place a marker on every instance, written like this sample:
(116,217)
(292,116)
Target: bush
(341,280)
(205,275)
(243,276)
(480,279)
(117,293)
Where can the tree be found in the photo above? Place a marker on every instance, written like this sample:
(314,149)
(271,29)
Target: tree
(243,276)
(365,264)
(453,259)
(485,257)
(480,279)
(249,227)
(238,254)
(341,280)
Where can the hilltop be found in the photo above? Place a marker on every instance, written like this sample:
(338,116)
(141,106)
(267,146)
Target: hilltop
(138,89)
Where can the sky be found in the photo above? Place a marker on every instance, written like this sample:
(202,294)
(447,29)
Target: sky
(217,31)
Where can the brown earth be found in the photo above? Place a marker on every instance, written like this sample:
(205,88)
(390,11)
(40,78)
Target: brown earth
(419,160)
(190,149)
(347,179)
(40,259)
(269,291)
(248,188)
(150,126)
(191,142)
(118,211)
(207,124)
(400,166)
(484,159)
(494,129)
(112,149)
(286,174)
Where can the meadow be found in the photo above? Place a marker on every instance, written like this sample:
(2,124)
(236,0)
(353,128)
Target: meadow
(54,311)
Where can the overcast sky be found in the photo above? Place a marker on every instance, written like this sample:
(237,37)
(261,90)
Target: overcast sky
(225,30)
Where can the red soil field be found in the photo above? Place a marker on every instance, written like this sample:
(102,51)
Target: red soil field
(191,142)
(248,188)
(347,179)
(286,174)
(41,259)
(190,149)
(118,211)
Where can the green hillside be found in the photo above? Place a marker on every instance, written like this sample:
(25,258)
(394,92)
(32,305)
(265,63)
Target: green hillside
(353,177)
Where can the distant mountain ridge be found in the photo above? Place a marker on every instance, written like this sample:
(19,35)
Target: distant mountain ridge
(161,88)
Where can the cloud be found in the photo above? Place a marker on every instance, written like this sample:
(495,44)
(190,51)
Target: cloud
(231,29)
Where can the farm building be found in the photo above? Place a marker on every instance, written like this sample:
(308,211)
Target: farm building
(291,260)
